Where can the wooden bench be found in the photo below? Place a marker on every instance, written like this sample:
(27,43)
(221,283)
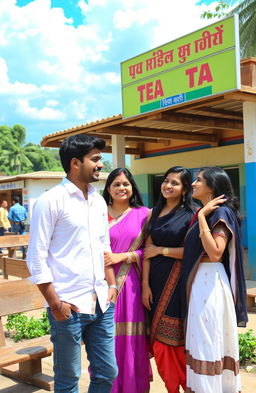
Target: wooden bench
(250,300)
(23,360)
(11,242)
(14,267)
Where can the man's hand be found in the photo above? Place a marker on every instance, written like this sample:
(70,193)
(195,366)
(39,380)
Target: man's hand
(64,311)
(112,295)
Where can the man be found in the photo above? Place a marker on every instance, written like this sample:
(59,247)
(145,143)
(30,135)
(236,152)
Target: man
(17,216)
(4,222)
(69,234)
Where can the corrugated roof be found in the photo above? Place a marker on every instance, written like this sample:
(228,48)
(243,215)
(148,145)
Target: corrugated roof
(41,175)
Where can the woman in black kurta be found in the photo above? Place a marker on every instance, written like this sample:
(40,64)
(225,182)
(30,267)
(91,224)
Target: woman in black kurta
(167,228)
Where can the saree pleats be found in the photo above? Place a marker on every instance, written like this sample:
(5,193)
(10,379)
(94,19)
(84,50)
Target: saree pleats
(211,340)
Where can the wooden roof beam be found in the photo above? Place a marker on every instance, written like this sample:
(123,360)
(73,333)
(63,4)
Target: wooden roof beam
(219,111)
(127,138)
(128,150)
(201,121)
(157,133)
(201,102)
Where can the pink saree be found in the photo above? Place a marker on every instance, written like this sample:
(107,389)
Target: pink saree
(134,372)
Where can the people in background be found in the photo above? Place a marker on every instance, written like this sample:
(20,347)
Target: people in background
(4,222)
(162,265)
(68,237)
(127,217)
(213,287)
(17,216)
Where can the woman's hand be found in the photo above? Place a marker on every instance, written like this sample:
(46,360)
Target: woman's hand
(111,259)
(212,205)
(151,251)
(147,298)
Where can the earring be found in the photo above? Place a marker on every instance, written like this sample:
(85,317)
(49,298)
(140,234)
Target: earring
(110,201)
(132,200)
(183,201)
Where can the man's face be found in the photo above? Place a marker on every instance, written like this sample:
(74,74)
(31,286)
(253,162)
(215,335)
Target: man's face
(89,169)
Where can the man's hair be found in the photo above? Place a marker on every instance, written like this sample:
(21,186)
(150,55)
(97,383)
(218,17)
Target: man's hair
(77,146)
(16,199)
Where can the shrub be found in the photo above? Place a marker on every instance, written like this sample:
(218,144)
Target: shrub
(247,347)
(22,327)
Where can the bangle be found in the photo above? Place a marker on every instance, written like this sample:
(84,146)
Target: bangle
(204,231)
(113,286)
(129,257)
(58,307)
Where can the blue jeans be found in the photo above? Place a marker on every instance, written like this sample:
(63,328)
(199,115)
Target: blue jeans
(16,228)
(97,332)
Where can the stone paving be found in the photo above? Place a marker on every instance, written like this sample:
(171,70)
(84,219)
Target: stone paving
(8,385)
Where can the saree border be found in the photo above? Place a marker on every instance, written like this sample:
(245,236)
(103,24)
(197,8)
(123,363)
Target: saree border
(125,267)
(211,368)
(130,328)
(163,302)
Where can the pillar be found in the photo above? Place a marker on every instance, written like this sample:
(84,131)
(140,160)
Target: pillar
(249,115)
(118,151)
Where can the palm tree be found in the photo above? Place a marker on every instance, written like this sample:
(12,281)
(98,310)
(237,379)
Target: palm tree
(13,155)
(247,22)
(247,27)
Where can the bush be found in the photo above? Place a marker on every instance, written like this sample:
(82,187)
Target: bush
(247,347)
(22,327)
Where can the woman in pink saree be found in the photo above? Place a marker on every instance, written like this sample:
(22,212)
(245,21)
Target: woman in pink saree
(127,216)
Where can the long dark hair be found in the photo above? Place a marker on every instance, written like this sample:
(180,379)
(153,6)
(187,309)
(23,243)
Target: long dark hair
(185,201)
(219,182)
(135,200)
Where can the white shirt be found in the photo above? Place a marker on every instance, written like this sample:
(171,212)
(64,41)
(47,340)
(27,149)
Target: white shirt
(68,235)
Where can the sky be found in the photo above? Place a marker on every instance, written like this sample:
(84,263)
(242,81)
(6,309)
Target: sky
(60,59)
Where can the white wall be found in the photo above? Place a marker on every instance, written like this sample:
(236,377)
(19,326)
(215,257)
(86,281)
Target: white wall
(37,187)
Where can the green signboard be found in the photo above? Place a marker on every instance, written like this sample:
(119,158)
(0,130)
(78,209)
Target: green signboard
(197,65)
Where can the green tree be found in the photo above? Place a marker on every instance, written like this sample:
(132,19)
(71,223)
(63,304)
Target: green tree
(107,166)
(17,158)
(247,22)
(13,156)
(43,159)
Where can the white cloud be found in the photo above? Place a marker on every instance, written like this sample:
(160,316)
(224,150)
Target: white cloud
(44,113)
(169,19)
(79,109)
(113,78)
(15,88)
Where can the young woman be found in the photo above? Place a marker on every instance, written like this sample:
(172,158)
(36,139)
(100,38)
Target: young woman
(127,216)
(213,287)
(162,263)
